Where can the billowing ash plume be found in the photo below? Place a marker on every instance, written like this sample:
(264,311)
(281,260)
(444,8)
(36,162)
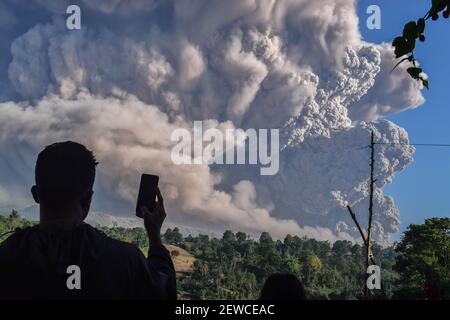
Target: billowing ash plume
(135,72)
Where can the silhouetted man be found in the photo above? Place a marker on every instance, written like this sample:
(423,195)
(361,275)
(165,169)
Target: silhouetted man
(64,258)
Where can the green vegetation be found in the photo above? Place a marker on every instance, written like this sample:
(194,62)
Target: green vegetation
(423,260)
(236,266)
(10,223)
(415,30)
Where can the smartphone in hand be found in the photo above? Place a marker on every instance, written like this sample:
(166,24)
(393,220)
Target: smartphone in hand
(147,193)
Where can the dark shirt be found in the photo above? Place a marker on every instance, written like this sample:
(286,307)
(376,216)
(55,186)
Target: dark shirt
(34,263)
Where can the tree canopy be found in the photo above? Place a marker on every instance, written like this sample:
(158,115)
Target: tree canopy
(236,265)
(423,260)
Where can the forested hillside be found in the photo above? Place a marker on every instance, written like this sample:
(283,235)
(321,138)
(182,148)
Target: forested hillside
(236,266)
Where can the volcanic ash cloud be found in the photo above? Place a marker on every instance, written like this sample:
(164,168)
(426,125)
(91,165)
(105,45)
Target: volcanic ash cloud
(134,73)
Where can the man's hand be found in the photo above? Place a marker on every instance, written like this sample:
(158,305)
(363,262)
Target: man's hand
(154,218)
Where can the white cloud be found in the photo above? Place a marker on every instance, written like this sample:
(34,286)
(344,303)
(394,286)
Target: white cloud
(296,65)
(130,137)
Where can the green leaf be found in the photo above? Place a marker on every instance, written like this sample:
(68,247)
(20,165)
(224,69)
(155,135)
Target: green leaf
(438,5)
(415,72)
(402,46)
(410,31)
(425,83)
(420,26)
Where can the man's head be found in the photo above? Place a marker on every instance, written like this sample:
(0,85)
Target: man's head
(65,174)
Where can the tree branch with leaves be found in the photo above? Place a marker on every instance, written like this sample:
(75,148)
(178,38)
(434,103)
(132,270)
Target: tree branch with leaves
(414,30)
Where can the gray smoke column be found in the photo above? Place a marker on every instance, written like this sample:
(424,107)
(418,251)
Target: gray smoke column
(138,70)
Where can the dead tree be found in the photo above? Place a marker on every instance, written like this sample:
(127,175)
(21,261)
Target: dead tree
(372,188)
(368,240)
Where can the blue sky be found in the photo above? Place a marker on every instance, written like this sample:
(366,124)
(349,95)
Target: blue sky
(423,189)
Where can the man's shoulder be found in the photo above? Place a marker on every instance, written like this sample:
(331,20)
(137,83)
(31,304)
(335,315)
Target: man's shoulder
(15,238)
(110,244)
